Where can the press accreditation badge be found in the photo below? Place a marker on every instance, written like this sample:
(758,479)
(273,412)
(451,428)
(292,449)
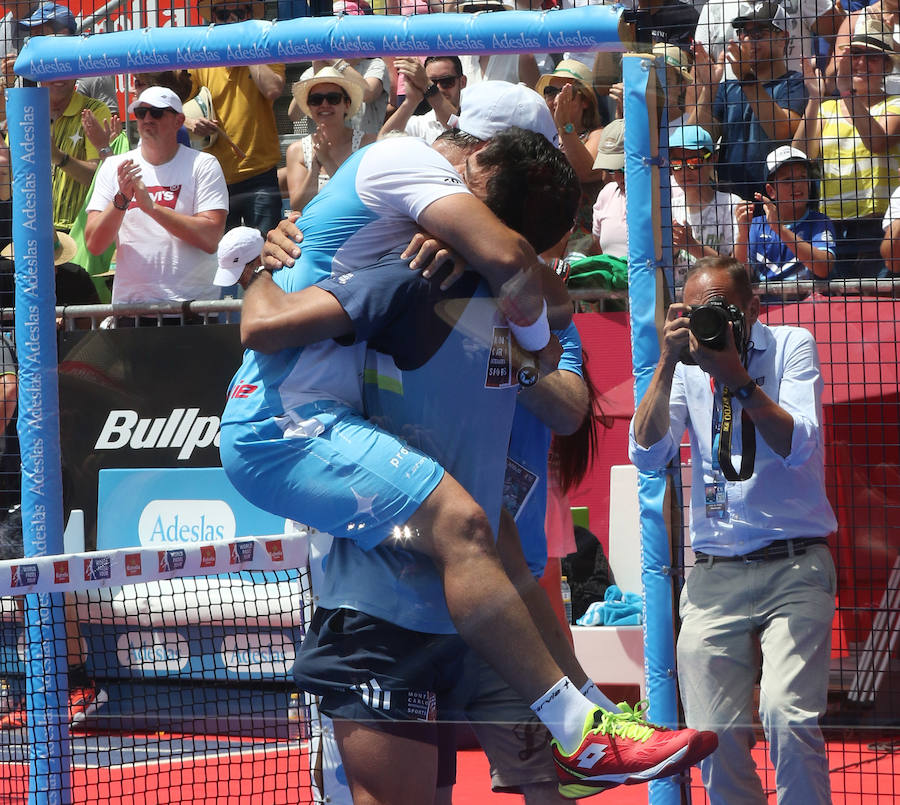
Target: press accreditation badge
(499,371)
(716,499)
(518,485)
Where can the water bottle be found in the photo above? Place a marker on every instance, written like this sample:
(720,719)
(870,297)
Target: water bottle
(566,592)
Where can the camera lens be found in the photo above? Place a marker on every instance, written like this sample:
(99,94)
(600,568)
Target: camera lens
(709,324)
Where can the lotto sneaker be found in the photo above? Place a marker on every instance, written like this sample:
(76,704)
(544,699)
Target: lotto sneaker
(84,702)
(12,713)
(625,748)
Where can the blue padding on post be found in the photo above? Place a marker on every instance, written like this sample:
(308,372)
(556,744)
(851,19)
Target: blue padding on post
(28,115)
(643,251)
(260,42)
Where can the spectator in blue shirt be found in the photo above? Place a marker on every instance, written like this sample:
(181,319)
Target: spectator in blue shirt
(791,239)
(759,108)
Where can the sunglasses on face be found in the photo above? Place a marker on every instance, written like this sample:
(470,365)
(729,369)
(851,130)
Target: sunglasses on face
(142,111)
(690,163)
(224,13)
(332,98)
(756,33)
(446,82)
(551,91)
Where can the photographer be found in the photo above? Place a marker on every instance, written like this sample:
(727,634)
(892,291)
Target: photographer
(761,595)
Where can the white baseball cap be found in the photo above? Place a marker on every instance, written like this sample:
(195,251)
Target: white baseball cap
(489,107)
(160,97)
(782,155)
(238,247)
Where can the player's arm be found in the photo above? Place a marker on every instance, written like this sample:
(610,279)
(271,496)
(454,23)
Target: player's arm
(559,399)
(272,320)
(518,279)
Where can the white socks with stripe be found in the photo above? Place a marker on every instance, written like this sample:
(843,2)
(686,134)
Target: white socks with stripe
(594,694)
(563,710)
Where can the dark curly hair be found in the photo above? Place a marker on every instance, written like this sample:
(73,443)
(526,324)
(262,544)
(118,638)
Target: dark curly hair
(533,188)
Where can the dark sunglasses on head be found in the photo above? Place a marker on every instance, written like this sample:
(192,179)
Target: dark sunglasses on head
(333,98)
(224,13)
(446,82)
(142,111)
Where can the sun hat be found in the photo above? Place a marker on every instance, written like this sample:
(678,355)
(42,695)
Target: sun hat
(353,86)
(781,156)
(238,247)
(201,105)
(158,97)
(692,138)
(676,58)
(580,73)
(489,107)
(257,7)
(611,150)
(871,34)
(64,248)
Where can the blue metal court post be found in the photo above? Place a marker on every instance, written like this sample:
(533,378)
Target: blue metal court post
(28,116)
(646,201)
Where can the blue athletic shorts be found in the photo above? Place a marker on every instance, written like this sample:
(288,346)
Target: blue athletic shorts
(328,467)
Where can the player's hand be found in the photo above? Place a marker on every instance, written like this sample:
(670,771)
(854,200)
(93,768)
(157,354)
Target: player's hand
(521,297)
(431,255)
(282,244)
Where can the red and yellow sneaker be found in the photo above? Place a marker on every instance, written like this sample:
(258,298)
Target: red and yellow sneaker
(624,748)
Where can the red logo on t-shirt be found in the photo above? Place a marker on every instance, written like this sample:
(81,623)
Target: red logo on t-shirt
(165,196)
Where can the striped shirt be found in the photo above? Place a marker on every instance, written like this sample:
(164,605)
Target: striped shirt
(856,183)
(69,194)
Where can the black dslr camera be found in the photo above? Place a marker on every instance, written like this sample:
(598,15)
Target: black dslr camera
(709,324)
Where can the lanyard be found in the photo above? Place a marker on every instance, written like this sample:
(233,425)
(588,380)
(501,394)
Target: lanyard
(722,433)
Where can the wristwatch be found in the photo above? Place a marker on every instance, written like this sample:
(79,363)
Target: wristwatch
(105,152)
(569,128)
(745,391)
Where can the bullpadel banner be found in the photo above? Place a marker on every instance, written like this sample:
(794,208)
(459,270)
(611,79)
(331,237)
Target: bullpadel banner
(148,397)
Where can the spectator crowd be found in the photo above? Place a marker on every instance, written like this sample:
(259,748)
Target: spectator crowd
(783,128)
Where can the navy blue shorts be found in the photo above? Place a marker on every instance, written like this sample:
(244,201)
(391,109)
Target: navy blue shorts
(369,670)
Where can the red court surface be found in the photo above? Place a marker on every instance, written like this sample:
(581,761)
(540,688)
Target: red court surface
(228,772)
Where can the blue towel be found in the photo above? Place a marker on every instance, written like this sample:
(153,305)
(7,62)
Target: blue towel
(617,609)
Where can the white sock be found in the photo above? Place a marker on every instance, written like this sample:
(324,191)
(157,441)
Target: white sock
(593,694)
(563,710)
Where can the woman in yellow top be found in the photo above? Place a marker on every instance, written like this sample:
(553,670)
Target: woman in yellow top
(857,139)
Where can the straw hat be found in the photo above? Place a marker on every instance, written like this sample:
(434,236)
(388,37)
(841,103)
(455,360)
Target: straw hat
(64,248)
(676,58)
(353,86)
(580,73)
(205,7)
(871,34)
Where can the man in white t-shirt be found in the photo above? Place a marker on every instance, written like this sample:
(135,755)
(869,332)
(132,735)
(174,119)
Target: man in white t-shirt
(165,207)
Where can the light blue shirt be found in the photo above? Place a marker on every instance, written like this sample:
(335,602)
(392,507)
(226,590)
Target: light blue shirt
(785,497)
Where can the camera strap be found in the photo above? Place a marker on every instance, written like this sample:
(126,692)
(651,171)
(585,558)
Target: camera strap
(748,453)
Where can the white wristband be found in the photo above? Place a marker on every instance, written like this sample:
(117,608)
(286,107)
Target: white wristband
(534,336)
